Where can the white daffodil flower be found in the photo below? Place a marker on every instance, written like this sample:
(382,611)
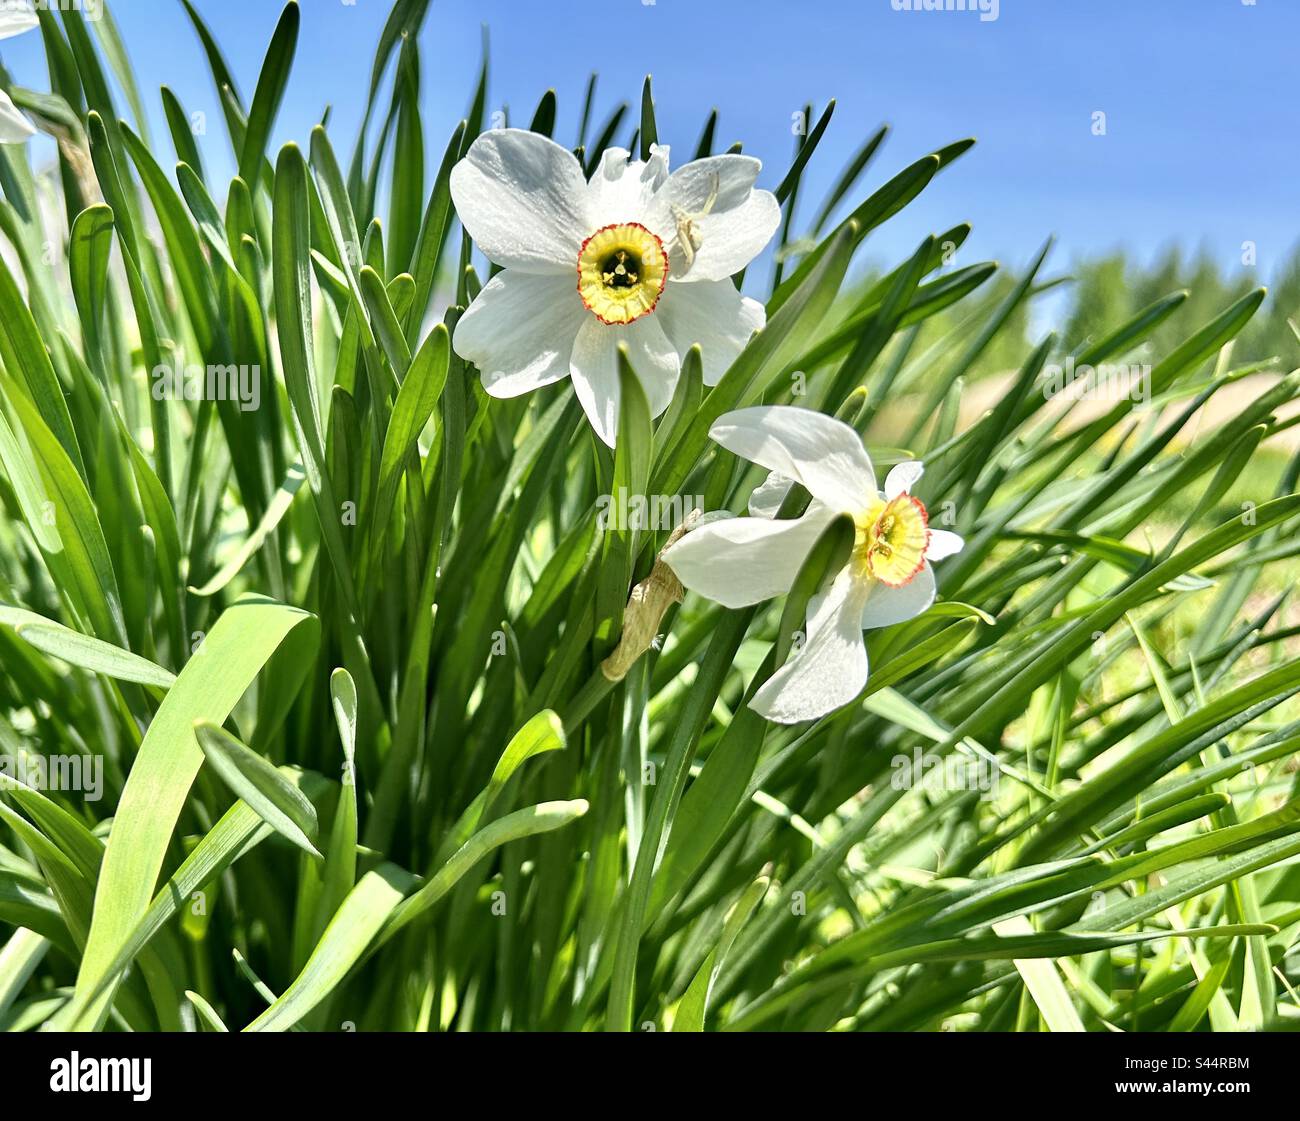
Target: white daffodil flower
(742,561)
(635,256)
(15,18)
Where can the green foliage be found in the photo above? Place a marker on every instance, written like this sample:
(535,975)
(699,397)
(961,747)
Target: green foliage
(361,764)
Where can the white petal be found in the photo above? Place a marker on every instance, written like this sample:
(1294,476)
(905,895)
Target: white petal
(728,242)
(739,221)
(519,331)
(14,127)
(16,16)
(768,496)
(523,199)
(714,315)
(831,669)
(732,175)
(594,365)
(740,561)
(903,478)
(818,451)
(886,606)
(943,543)
(623,190)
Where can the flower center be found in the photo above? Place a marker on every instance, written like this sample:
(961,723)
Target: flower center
(622,270)
(891,540)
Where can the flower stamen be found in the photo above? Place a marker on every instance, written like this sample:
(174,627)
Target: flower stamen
(620,270)
(689,238)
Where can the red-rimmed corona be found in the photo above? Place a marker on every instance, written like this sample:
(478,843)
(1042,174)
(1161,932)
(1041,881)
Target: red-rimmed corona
(893,543)
(622,270)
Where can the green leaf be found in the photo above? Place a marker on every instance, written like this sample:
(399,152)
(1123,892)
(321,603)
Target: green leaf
(649,132)
(259,785)
(340,872)
(1043,982)
(353,927)
(388,330)
(237,833)
(275,512)
(695,1003)
(212,682)
(294,314)
(537,819)
(543,733)
(89,247)
(83,651)
(182,132)
(271,83)
(206,1012)
(25,358)
(58,510)
(630,480)
(432,241)
(825,559)
(222,79)
(886,202)
(806,149)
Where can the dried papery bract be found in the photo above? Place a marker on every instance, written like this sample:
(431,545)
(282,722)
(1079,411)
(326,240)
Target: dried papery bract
(646,608)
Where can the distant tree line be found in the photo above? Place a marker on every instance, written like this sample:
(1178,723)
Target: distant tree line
(1107,290)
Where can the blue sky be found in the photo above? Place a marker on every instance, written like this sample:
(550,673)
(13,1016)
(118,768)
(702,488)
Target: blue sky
(1200,144)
